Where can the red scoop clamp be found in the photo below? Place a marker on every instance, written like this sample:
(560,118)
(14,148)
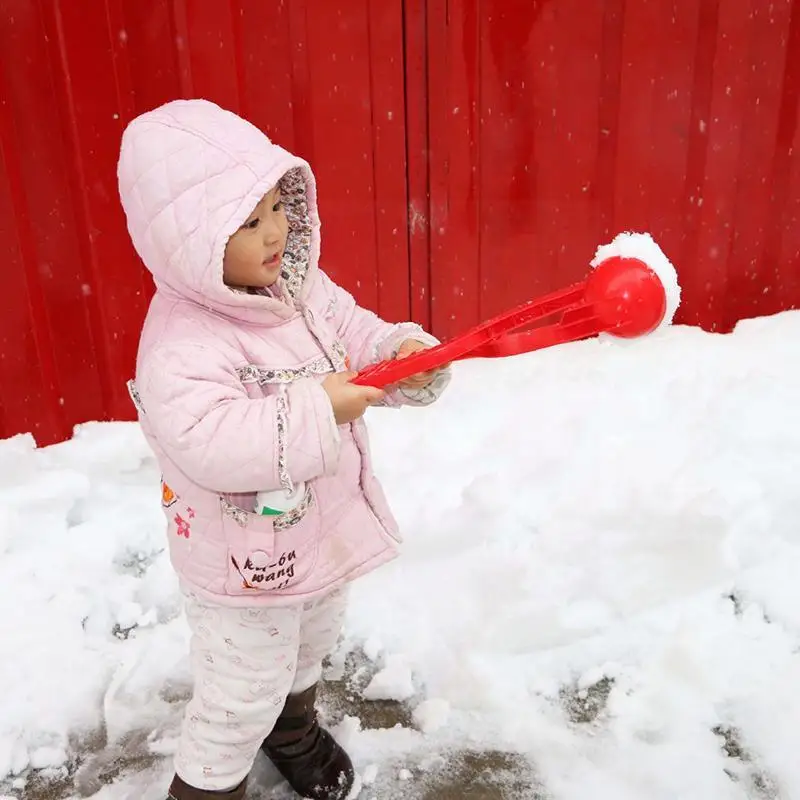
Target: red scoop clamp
(621,296)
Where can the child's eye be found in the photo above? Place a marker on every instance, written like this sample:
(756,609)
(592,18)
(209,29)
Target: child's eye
(252,224)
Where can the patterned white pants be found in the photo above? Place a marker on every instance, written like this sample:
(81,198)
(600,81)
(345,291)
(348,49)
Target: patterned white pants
(245,661)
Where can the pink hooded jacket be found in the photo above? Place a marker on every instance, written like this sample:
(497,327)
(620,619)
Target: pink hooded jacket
(228,384)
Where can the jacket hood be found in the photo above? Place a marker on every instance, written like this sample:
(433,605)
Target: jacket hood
(190,173)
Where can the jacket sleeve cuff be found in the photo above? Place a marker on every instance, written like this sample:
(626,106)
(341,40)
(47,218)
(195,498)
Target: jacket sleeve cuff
(427,394)
(413,397)
(387,347)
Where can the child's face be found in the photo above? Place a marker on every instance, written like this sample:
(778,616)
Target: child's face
(253,254)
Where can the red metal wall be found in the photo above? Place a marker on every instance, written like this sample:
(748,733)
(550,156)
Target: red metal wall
(470,154)
(555,124)
(322,78)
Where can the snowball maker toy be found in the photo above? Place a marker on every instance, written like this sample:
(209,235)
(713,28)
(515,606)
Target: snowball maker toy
(625,295)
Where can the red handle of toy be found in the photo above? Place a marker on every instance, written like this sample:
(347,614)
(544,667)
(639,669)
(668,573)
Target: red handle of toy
(622,296)
(515,344)
(388,373)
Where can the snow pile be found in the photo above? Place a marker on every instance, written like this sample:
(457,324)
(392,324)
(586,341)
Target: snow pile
(82,566)
(602,545)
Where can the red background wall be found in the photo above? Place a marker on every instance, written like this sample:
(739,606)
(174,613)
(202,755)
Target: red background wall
(470,154)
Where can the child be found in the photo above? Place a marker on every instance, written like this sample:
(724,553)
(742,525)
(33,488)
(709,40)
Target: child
(243,388)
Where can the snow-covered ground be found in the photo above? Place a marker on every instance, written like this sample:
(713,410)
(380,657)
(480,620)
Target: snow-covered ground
(617,513)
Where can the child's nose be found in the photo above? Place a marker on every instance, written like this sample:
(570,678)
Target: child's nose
(272,230)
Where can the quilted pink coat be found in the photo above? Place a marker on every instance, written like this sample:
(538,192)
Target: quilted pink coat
(228,384)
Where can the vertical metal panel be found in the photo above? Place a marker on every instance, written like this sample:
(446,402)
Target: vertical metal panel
(555,124)
(417,150)
(51,238)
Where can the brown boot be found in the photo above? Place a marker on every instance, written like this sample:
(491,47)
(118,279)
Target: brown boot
(307,756)
(179,790)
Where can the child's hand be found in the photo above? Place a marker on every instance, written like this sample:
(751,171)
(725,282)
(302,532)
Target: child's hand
(421,380)
(348,400)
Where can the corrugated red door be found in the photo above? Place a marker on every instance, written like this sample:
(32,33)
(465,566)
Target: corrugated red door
(555,124)
(470,154)
(324,79)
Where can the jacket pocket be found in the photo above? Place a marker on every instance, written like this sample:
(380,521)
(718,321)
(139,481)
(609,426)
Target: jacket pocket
(268,553)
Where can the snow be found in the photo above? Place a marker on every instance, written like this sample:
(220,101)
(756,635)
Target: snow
(644,247)
(394,682)
(370,774)
(593,523)
(431,715)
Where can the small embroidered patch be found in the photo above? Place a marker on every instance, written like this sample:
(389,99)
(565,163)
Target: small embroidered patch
(183,526)
(168,497)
